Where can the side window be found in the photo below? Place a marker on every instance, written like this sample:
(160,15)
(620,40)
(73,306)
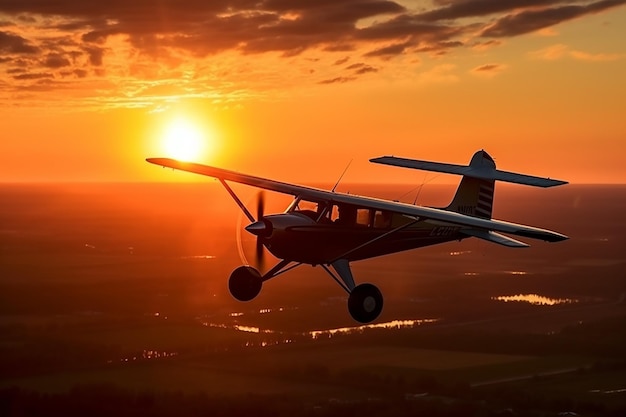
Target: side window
(382,219)
(334,213)
(350,215)
(346,214)
(363,217)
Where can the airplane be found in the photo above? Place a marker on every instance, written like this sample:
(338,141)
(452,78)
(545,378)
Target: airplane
(332,229)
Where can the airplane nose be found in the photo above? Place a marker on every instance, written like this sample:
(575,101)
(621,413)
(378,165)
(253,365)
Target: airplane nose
(258,228)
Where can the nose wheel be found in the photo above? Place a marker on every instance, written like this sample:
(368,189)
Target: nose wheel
(365,303)
(245,283)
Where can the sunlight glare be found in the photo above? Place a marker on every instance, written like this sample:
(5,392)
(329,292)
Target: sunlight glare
(183,140)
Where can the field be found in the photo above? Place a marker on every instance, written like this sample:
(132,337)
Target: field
(125,286)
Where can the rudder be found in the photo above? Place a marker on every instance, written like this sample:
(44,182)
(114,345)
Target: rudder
(474,196)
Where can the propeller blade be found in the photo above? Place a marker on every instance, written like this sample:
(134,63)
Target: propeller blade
(260,211)
(260,228)
(260,205)
(260,254)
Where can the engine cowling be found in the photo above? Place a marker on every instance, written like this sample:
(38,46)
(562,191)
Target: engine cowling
(282,235)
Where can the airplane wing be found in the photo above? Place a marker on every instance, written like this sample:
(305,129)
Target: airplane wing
(494,237)
(428,214)
(224,174)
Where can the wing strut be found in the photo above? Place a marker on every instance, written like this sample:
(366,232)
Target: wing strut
(345,280)
(280,268)
(377,238)
(238,201)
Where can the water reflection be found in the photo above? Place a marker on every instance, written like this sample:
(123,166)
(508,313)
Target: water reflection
(395,324)
(535,299)
(264,311)
(238,327)
(280,337)
(611,391)
(271,310)
(147,354)
(266,343)
(249,329)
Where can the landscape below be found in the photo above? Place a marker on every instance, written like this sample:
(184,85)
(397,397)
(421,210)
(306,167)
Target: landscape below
(114,297)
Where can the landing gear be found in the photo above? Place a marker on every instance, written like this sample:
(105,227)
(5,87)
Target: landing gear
(365,303)
(245,283)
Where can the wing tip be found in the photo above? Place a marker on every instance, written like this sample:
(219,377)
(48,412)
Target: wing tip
(163,161)
(557,183)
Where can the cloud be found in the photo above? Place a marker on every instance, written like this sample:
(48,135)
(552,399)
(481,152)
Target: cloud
(95,55)
(337,80)
(56,61)
(534,19)
(15,44)
(586,56)
(439,74)
(473,8)
(30,76)
(361,68)
(208,27)
(389,50)
(560,51)
(547,32)
(550,53)
(483,46)
(228,45)
(488,70)
(366,69)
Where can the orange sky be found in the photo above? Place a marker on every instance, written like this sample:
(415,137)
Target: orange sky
(296,89)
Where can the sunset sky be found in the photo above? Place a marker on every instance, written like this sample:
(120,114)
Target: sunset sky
(296,89)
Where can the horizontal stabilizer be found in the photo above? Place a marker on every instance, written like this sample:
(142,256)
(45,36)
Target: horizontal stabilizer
(494,237)
(478,168)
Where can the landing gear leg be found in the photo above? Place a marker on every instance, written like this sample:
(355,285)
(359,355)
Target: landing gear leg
(365,301)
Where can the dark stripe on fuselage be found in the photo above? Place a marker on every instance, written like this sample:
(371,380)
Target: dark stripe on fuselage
(317,244)
(485,207)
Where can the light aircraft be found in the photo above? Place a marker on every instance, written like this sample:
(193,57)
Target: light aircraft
(332,229)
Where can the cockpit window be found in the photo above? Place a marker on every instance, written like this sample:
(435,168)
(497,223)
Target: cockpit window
(342,214)
(312,209)
(349,215)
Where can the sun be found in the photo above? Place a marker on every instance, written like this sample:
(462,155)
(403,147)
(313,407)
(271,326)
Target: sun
(184,140)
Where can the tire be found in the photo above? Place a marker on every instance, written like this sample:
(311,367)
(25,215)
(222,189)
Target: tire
(365,303)
(245,283)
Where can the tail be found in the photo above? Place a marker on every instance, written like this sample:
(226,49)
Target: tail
(474,196)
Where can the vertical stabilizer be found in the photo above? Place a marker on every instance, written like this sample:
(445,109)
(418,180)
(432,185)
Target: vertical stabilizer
(474,196)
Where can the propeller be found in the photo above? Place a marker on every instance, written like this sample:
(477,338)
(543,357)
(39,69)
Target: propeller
(261,228)
(260,210)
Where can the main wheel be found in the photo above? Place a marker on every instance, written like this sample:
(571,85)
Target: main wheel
(365,303)
(245,283)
